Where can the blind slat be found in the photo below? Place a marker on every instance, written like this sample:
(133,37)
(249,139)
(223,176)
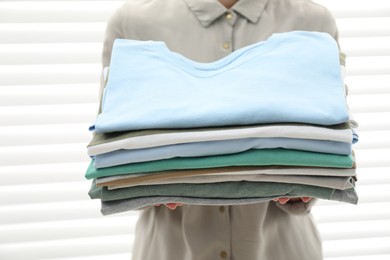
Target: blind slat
(44,134)
(54,230)
(368,84)
(363,46)
(50,53)
(79,246)
(357,247)
(372,121)
(39,154)
(373,175)
(342,212)
(353,229)
(373,140)
(126,256)
(369,103)
(42,173)
(56,11)
(51,32)
(30,194)
(49,74)
(357,8)
(49,114)
(373,157)
(364,257)
(371,65)
(364,27)
(56,211)
(25,95)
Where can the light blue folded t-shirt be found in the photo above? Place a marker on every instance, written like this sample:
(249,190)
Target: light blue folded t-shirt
(197,149)
(290,77)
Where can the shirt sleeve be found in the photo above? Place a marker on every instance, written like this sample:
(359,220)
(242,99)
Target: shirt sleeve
(114,30)
(329,25)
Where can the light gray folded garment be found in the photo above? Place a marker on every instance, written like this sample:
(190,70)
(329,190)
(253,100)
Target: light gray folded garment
(117,206)
(340,183)
(197,149)
(230,171)
(104,143)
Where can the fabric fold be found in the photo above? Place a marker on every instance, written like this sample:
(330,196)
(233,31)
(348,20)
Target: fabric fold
(217,148)
(340,183)
(108,142)
(277,84)
(118,206)
(228,190)
(259,157)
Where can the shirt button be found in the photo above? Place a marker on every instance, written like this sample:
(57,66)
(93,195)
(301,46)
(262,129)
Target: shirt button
(226,45)
(221,209)
(223,254)
(228,16)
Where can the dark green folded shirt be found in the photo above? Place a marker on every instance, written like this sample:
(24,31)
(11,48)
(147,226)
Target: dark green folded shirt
(226,190)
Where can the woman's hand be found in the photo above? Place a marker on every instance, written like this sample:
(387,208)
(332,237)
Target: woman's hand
(284,200)
(171,206)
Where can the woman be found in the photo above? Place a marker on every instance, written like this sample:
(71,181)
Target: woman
(205,31)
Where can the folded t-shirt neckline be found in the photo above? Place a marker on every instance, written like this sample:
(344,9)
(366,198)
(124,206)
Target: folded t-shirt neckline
(208,69)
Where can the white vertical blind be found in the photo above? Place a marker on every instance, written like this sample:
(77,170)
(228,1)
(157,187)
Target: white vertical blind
(362,232)
(49,72)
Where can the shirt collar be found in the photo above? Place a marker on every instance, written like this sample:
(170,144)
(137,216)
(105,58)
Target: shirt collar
(207,11)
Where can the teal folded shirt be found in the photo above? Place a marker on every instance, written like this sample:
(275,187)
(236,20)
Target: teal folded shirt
(254,157)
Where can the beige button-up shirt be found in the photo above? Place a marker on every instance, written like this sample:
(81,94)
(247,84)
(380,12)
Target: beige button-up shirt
(204,30)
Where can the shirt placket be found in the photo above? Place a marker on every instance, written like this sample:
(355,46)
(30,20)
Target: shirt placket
(229,19)
(227,46)
(224,252)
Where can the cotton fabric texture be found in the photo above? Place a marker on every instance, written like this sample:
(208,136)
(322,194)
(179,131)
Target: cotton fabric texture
(282,84)
(225,190)
(253,157)
(205,31)
(122,205)
(217,148)
(314,180)
(104,143)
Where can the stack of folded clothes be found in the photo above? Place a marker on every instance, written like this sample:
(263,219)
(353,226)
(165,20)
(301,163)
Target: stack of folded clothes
(269,120)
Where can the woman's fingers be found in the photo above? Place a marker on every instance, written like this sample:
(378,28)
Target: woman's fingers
(171,206)
(305,199)
(284,200)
